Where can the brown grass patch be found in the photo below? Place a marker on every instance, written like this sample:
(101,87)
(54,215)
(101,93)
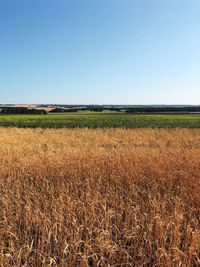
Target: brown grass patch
(109,197)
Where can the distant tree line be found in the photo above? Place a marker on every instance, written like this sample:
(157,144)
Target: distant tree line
(21,110)
(96,108)
(101,108)
(89,108)
(60,110)
(162,109)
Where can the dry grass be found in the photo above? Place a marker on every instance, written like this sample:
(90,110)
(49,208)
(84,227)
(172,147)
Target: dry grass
(84,197)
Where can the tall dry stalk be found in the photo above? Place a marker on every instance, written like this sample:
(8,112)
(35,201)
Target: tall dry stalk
(100,197)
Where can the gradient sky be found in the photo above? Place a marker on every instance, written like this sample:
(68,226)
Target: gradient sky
(100,51)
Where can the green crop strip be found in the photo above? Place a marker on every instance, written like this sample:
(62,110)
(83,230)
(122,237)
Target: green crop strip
(100,121)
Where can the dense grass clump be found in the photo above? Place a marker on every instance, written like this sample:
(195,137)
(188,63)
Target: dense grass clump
(104,197)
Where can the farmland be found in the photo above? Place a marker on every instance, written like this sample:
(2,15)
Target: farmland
(97,120)
(99,197)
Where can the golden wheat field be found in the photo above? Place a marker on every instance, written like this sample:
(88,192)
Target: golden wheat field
(103,197)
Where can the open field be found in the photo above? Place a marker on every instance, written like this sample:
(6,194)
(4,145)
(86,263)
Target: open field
(115,120)
(99,197)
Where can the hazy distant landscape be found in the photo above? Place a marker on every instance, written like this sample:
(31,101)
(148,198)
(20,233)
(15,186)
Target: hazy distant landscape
(96,116)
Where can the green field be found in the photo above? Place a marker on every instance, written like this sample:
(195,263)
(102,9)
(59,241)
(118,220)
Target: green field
(100,120)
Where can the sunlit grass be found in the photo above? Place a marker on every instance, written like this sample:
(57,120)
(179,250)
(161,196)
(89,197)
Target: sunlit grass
(105,197)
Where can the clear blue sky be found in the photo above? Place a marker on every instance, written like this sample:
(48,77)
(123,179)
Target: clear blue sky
(100,51)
